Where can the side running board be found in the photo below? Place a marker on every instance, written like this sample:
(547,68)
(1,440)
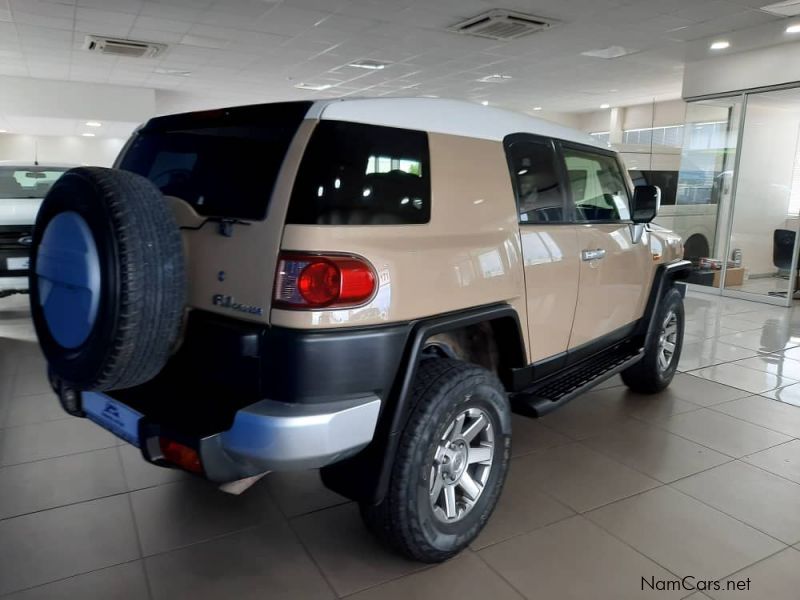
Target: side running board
(558,389)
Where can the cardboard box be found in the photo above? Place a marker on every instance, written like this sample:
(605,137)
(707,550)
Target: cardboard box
(734,276)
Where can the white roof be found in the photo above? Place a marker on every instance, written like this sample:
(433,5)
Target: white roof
(455,117)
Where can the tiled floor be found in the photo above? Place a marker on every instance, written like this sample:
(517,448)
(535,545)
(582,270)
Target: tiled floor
(701,480)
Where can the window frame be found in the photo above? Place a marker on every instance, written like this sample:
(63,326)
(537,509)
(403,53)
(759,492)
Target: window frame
(560,170)
(561,145)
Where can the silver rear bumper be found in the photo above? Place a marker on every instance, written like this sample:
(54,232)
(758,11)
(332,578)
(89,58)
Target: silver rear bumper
(275,436)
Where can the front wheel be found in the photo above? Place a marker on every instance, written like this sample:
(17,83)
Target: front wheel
(655,371)
(450,465)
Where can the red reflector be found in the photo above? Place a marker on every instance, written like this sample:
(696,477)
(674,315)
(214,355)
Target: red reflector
(180,455)
(330,281)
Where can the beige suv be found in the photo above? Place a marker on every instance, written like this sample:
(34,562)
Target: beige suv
(366,286)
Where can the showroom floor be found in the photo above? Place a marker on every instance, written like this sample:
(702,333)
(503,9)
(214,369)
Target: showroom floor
(702,480)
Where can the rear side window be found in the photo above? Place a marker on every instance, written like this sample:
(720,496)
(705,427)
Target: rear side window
(598,187)
(224,163)
(355,174)
(540,197)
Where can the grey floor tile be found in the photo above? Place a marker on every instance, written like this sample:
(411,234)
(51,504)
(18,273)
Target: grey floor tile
(521,508)
(265,562)
(683,534)
(582,478)
(177,514)
(762,340)
(614,381)
(141,474)
(574,560)
(723,433)
(530,435)
(300,492)
(776,578)
(788,395)
(783,460)
(702,391)
(655,452)
(44,484)
(653,408)
(709,352)
(766,412)
(50,439)
(767,502)
(122,582)
(53,544)
(750,380)
(777,364)
(349,556)
(27,410)
(465,577)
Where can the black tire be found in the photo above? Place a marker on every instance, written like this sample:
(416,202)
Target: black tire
(140,294)
(443,389)
(647,376)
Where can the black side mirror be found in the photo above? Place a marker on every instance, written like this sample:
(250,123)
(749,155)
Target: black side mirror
(646,202)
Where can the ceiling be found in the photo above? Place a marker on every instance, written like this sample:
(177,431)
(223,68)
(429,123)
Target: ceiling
(236,51)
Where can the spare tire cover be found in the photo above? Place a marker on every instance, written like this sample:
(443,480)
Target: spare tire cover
(107,279)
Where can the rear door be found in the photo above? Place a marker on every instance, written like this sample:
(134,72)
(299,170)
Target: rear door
(549,245)
(614,271)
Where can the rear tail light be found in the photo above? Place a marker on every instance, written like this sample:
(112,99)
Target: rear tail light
(323,281)
(181,455)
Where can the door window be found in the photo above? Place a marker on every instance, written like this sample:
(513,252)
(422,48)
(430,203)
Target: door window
(540,195)
(598,187)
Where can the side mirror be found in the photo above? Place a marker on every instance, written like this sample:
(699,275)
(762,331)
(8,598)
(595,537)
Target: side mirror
(646,202)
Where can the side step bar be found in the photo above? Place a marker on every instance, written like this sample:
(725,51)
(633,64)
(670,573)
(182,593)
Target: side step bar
(555,391)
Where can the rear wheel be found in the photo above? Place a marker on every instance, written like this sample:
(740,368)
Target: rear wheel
(655,371)
(451,463)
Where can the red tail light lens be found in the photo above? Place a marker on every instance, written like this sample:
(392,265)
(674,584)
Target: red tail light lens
(180,455)
(317,281)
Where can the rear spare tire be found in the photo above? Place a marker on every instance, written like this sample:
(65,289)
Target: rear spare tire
(107,280)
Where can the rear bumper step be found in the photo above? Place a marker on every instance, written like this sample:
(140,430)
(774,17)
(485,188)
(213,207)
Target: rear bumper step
(557,390)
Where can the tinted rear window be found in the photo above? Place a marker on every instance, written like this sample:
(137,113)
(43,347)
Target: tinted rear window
(224,163)
(354,174)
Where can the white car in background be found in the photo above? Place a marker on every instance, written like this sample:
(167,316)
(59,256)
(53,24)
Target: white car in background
(23,185)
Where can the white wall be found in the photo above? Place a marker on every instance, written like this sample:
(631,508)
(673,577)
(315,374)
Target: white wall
(74,150)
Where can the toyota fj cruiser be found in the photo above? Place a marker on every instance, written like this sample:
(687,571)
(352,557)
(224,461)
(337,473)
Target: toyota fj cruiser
(368,286)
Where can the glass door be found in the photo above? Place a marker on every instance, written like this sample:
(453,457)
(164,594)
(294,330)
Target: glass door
(763,241)
(702,205)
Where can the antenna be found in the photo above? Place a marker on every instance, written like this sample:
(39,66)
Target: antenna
(36,152)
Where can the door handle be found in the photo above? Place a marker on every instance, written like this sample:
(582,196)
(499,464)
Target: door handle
(593,254)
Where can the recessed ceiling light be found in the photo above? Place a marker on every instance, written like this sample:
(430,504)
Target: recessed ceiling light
(605,105)
(374,65)
(793,28)
(485,102)
(3,130)
(94,124)
(720,45)
(315,87)
(610,52)
(786,8)
(495,78)
(537,108)
(87,134)
(176,72)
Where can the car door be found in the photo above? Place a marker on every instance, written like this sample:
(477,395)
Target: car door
(614,271)
(549,246)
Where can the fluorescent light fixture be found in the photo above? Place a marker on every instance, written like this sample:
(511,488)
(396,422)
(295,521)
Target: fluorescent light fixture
(314,87)
(87,134)
(787,8)
(485,102)
(537,108)
(495,78)
(176,72)
(94,124)
(201,41)
(604,105)
(720,45)
(3,130)
(610,52)
(793,28)
(373,65)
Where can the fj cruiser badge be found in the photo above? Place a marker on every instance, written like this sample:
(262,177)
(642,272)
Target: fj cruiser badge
(230,302)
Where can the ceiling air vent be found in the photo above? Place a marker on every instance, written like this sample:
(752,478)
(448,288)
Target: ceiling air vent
(120,47)
(503,25)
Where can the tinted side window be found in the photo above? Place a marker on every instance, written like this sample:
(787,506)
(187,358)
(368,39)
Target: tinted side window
(355,174)
(597,185)
(540,197)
